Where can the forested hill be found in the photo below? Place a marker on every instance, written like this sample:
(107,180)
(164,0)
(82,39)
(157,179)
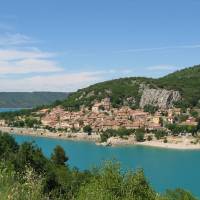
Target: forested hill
(187,81)
(129,91)
(29,99)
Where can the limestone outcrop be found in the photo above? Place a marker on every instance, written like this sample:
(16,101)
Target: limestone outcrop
(159,97)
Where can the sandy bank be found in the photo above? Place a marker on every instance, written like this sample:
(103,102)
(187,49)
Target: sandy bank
(161,144)
(47,133)
(182,143)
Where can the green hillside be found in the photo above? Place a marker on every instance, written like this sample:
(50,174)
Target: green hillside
(120,91)
(187,81)
(29,99)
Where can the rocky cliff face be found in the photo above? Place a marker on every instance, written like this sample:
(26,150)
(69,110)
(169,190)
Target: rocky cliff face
(159,97)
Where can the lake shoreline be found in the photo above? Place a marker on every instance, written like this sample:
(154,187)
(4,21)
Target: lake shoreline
(48,134)
(179,143)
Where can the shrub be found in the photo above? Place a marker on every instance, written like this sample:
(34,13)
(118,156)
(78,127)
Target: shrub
(58,156)
(20,187)
(165,140)
(178,194)
(149,138)
(160,134)
(150,109)
(87,129)
(112,184)
(121,132)
(139,136)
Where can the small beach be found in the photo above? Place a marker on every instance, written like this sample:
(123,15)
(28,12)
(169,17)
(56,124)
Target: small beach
(181,142)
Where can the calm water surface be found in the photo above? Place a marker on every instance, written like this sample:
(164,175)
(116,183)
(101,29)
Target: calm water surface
(164,168)
(9,109)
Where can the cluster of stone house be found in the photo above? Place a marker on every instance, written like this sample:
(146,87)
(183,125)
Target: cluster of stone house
(101,117)
(172,113)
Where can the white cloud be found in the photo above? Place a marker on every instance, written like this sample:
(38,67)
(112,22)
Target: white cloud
(13,61)
(195,46)
(14,39)
(27,62)
(15,54)
(28,66)
(162,68)
(15,58)
(39,70)
(59,82)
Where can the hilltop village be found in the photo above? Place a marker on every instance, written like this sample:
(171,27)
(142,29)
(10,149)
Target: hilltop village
(103,116)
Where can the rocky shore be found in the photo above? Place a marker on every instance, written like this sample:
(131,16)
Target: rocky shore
(181,142)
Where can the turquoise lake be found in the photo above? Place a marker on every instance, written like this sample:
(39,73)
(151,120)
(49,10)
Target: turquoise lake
(9,109)
(164,168)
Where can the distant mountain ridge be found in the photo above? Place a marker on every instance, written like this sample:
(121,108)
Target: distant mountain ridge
(181,88)
(29,99)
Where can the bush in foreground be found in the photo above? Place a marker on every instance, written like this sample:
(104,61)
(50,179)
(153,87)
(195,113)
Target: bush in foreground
(26,174)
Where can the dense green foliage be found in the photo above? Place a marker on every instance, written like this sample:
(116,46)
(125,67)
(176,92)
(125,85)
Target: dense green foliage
(11,115)
(139,135)
(57,179)
(121,132)
(58,156)
(178,194)
(14,186)
(160,134)
(28,122)
(14,118)
(87,129)
(186,81)
(25,173)
(111,184)
(29,99)
(176,129)
(150,109)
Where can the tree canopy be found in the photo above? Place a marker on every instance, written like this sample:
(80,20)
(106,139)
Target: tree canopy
(58,156)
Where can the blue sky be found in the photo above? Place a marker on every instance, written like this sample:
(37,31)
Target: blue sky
(64,45)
